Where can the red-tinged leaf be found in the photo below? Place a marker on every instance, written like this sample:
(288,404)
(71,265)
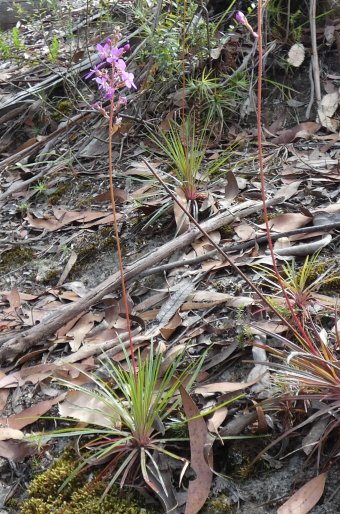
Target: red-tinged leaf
(32,414)
(306,497)
(199,488)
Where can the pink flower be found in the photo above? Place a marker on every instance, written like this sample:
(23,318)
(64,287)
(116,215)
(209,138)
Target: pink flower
(109,92)
(115,53)
(240,18)
(127,78)
(103,51)
(120,65)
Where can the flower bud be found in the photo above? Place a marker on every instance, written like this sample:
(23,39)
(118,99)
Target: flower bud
(240,17)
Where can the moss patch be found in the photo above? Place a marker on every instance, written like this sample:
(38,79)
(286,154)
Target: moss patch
(15,257)
(78,497)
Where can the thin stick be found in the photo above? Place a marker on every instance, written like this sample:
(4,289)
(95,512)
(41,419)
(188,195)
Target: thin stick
(315,57)
(215,245)
(239,247)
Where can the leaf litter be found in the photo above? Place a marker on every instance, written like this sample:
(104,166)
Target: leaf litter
(182,307)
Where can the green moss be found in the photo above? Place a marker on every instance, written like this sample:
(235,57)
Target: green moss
(63,108)
(90,248)
(78,497)
(220,505)
(59,192)
(227,232)
(15,257)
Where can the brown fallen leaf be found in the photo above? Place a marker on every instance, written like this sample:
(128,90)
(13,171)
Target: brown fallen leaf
(326,110)
(306,497)
(207,299)
(168,329)
(245,231)
(88,409)
(14,299)
(10,433)
(301,130)
(4,392)
(16,450)
(182,220)
(199,488)
(203,246)
(80,330)
(224,387)
(217,418)
(32,414)
(288,221)
(61,218)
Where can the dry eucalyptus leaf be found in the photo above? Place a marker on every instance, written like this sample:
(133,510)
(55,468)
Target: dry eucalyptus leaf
(88,409)
(306,497)
(296,55)
(329,34)
(328,105)
(10,433)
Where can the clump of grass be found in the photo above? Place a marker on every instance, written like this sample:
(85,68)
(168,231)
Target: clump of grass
(301,283)
(134,412)
(185,146)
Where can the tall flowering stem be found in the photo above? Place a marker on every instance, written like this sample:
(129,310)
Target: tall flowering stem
(111,76)
(301,330)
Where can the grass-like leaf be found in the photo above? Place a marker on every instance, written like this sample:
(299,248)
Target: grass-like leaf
(136,403)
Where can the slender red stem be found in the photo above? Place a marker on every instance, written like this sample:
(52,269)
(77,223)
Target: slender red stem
(263,185)
(119,250)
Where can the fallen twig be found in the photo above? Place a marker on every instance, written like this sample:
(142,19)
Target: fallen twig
(36,146)
(48,326)
(237,247)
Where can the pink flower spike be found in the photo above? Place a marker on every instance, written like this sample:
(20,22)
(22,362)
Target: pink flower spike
(126,47)
(240,18)
(99,107)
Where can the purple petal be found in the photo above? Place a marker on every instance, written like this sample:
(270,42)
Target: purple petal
(240,17)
